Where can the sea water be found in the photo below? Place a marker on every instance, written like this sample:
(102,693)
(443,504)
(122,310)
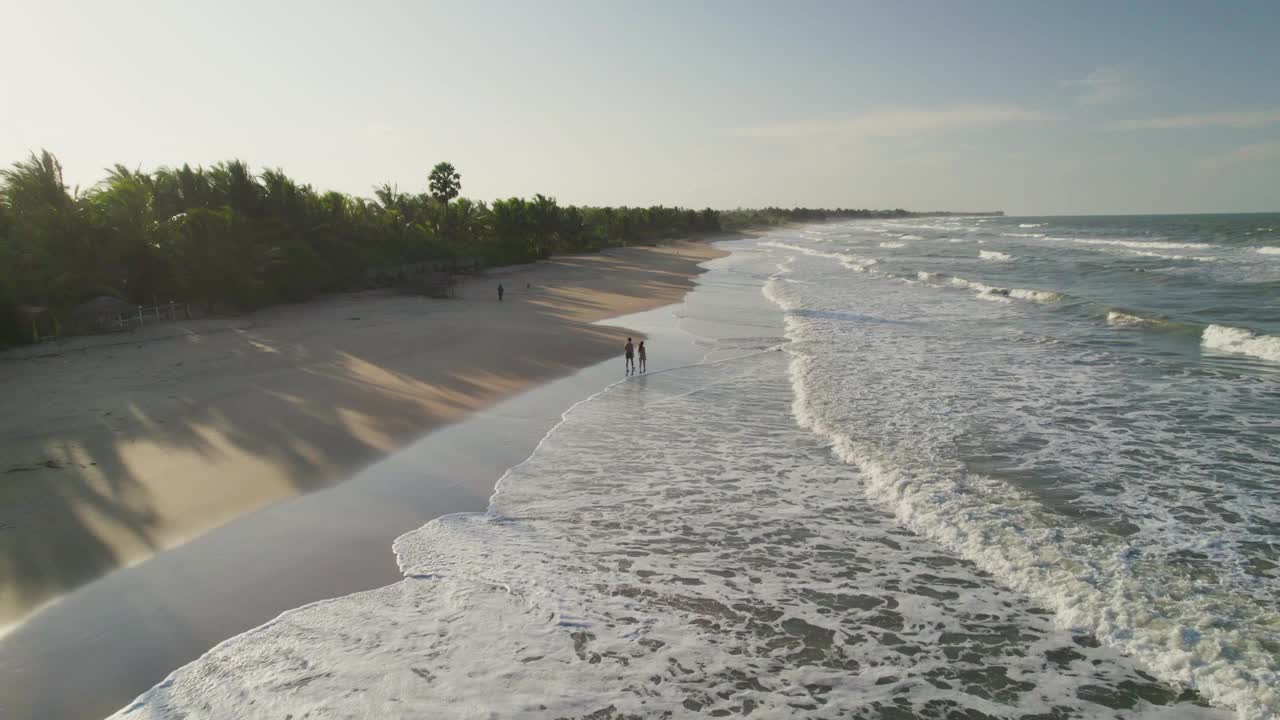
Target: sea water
(963,467)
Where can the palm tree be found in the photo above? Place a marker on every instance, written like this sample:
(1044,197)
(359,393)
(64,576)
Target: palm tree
(129,236)
(216,258)
(391,199)
(35,183)
(48,231)
(445,182)
(230,237)
(283,199)
(511,231)
(545,216)
(467,223)
(234,185)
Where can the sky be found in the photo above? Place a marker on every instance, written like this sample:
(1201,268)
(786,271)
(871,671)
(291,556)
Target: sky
(1030,107)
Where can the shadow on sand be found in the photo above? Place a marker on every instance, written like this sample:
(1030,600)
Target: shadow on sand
(310,401)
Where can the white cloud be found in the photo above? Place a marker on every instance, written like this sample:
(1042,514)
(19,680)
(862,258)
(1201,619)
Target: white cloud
(892,122)
(1256,152)
(1232,119)
(1107,85)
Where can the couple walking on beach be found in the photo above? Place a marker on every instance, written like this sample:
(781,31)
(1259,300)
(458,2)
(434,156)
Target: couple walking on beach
(630,351)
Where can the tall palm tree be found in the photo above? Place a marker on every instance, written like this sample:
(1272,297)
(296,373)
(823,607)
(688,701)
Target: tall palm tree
(235,186)
(391,199)
(282,199)
(129,236)
(47,233)
(445,182)
(34,184)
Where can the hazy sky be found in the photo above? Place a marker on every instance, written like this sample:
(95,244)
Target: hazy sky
(1033,107)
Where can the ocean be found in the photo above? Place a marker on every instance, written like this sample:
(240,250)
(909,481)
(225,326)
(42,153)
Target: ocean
(936,468)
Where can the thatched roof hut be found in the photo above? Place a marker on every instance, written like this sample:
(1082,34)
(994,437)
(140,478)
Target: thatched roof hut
(37,320)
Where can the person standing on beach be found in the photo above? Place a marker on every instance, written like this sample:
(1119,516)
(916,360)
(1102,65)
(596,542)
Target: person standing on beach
(501,290)
(640,352)
(629,351)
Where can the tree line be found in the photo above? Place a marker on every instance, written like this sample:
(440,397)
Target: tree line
(225,237)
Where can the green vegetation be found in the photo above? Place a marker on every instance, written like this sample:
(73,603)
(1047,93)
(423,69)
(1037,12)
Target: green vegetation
(740,218)
(445,182)
(228,239)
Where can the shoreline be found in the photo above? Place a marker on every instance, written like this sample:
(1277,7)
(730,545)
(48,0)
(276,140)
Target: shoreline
(125,631)
(514,430)
(122,450)
(121,634)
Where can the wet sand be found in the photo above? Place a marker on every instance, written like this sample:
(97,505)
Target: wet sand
(98,648)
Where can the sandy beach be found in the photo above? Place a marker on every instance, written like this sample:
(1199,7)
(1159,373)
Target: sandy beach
(117,447)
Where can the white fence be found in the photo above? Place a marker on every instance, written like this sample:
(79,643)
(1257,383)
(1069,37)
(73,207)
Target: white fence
(155,314)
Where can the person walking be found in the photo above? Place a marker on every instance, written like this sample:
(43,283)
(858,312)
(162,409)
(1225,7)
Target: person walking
(629,351)
(501,291)
(640,353)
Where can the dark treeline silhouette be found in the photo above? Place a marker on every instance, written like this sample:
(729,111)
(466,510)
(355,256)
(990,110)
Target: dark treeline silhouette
(224,237)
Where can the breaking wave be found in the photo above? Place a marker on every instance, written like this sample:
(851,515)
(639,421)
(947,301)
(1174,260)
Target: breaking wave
(1149,249)
(1191,608)
(1241,342)
(1002,294)
(1143,244)
(1121,319)
(852,262)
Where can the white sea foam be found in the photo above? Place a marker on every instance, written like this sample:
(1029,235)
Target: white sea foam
(1270,250)
(1241,342)
(994,255)
(891,244)
(950,227)
(985,292)
(1031,225)
(1167,256)
(1174,592)
(1023,235)
(1149,249)
(962,283)
(1144,244)
(1000,294)
(1040,296)
(706,557)
(1121,319)
(910,237)
(851,262)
